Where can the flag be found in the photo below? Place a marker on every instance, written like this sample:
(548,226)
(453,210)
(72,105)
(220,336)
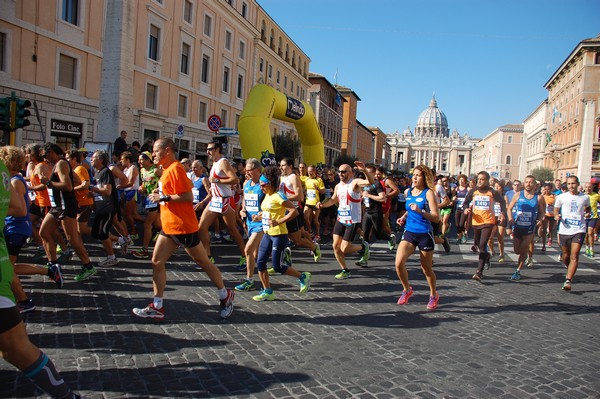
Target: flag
(548,138)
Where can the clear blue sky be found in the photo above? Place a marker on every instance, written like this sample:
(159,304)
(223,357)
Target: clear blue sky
(486,61)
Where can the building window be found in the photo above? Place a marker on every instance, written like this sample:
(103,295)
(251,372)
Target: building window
(188,8)
(224,117)
(151,96)
(240,86)
(244,10)
(204,75)
(237,121)
(202,112)
(228,35)
(270,71)
(207,25)
(70,11)
(242,54)
(153,43)
(509,159)
(278,76)
(285,82)
(185,58)
(226,72)
(182,106)
(3,49)
(67,71)
(261,65)
(510,139)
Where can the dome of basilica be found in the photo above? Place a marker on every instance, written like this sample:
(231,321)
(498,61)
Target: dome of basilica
(432,122)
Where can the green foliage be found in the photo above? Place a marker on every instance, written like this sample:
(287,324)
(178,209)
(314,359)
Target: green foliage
(543,174)
(286,145)
(345,159)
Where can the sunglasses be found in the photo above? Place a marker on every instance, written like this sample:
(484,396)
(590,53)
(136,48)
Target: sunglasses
(342,172)
(210,148)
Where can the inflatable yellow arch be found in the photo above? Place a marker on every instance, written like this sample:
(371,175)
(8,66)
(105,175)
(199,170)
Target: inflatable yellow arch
(265,103)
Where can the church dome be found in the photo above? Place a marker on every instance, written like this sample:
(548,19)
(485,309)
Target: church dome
(432,122)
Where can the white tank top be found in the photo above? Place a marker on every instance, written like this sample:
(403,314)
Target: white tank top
(129,172)
(219,189)
(285,188)
(349,207)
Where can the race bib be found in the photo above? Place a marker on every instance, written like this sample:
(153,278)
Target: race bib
(251,201)
(149,204)
(460,202)
(497,209)
(572,220)
(266,218)
(311,194)
(196,194)
(51,195)
(481,203)
(216,205)
(344,215)
(549,208)
(367,202)
(401,197)
(524,218)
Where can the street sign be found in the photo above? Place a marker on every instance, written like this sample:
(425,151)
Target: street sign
(179,132)
(227,131)
(214,123)
(495,174)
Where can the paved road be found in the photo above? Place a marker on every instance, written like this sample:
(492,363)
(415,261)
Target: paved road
(344,339)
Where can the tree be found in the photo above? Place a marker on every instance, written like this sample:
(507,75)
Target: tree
(344,159)
(543,174)
(286,145)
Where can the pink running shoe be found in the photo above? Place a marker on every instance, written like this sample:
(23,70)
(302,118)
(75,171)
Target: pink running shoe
(433,302)
(403,300)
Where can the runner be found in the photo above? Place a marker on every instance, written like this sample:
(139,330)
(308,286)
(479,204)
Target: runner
(179,228)
(149,177)
(347,196)
(570,209)
(529,214)
(276,210)
(422,210)
(548,224)
(222,176)
(84,201)
(253,197)
(391,190)
(15,346)
(592,220)
(480,203)
(315,188)
(460,219)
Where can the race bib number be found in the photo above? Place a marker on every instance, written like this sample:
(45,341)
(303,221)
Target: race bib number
(31,195)
(367,202)
(149,204)
(572,220)
(524,219)
(196,194)
(401,197)
(251,201)
(266,218)
(311,194)
(497,209)
(460,202)
(216,205)
(51,195)
(549,208)
(344,215)
(481,203)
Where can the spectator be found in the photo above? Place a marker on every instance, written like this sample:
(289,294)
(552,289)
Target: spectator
(148,144)
(120,145)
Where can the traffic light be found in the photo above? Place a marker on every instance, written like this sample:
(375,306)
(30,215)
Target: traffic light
(22,113)
(5,113)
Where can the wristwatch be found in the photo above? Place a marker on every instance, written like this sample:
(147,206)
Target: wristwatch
(165,198)
(49,183)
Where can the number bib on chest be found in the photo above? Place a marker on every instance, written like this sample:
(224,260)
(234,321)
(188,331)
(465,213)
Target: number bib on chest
(344,215)
(266,218)
(216,205)
(51,195)
(196,194)
(481,203)
(251,201)
(572,219)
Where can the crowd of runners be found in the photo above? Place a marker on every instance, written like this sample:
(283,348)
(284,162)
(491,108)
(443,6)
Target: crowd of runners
(54,198)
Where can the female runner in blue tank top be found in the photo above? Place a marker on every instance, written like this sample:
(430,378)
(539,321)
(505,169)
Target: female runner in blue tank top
(422,210)
(525,214)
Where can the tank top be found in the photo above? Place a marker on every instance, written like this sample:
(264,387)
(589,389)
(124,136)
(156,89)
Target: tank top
(349,204)
(460,197)
(219,189)
(41,197)
(62,199)
(483,207)
(253,197)
(19,225)
(549,200)
(198,190)
(129,173)
(285,188)
(6,268)
(415,222)
(527,212)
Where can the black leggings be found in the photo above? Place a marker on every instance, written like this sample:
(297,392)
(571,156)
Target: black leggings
(483,233)
(374,221)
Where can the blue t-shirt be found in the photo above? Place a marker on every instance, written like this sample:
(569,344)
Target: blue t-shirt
(415,222)
(253,197)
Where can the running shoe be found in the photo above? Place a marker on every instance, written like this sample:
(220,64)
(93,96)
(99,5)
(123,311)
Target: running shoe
(25,306)
(317,252)
(477,277)
(543,249)
(317,238)
(446,244)
(264,295)
(304,281)
(65,256)
(217,239)
(567,285)
(227,304)
(242,263)
(150,312)
(344,274)
(487,264)
(108,262)
(141,253)
(501,259)
(134,237)
(125,246)
(392,242)
(361,262)
(365,251)
(433,302)
(516,276)
(84,274)
(529,262)
(212,259)
(464,239)
(591,254)
(59,249)
(226,237)
(55,274)
(155,237)
(247,285)
(287,257)
(403,300)
(271,271)
(549,243)
(475,249)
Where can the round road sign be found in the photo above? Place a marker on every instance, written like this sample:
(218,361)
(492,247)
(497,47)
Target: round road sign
(214,123)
